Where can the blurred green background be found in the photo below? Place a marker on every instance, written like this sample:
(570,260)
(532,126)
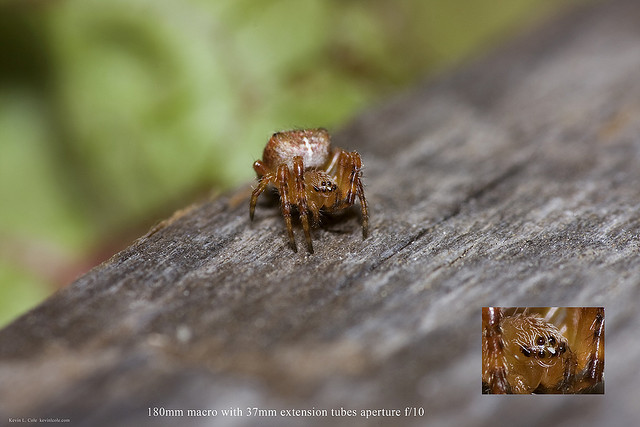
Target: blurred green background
(115,113)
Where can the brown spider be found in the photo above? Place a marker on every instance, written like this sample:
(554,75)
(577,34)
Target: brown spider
(311,175)
(542,350)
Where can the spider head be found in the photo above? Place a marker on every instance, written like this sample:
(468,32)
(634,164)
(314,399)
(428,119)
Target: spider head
(533,347)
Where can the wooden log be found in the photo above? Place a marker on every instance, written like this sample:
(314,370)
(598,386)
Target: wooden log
(514,181)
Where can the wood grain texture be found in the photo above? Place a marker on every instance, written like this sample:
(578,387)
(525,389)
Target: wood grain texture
(514,181)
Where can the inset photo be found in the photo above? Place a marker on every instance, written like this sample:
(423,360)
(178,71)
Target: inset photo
(543,350)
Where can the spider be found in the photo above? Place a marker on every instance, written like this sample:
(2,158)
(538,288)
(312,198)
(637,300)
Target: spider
(543,350)
(312,175)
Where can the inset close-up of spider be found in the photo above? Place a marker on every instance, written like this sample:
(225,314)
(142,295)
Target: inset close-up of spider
(543,350)
(310,175)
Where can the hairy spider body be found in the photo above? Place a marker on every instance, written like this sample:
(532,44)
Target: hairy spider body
(311,175)
(542,350)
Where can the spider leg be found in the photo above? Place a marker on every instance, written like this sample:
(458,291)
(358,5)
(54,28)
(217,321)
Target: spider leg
(301,199)
(262,184)
(340,162)
(363,203)
(493,359)
(260,168)
(365,211)
(585,363)
(354,165)
(596,365)
(315,212)
(346,175)
(334,163)
(569,366)
(594,369)
(285,202)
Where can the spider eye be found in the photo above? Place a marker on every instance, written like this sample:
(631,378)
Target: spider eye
(561,348)
(540,340)
(541,354)
(525,351)
(552,340)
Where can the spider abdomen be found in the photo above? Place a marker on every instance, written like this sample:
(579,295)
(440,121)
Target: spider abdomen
(313,145)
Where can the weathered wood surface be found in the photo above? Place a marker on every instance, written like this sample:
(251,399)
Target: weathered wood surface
(515,181)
